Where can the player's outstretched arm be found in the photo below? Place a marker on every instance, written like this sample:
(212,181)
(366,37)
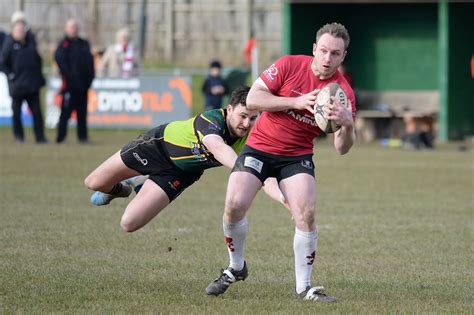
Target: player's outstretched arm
(345,137)
(260,98)
(221,151)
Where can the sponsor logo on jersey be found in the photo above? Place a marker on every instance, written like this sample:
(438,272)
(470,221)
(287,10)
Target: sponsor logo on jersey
(139,159)
(253,163)
(199,152)
(271,72)
(307,119)
(195,149)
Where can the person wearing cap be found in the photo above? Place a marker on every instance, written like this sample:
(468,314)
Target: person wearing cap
(23,67)
(214,87)
(19,16)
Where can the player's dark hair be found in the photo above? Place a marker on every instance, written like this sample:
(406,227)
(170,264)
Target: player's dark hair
(239,96)
(336,30)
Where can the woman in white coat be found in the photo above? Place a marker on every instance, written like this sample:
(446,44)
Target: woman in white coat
(121,59)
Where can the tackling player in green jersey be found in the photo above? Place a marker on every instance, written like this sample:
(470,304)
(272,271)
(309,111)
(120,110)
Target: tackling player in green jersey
(172,157)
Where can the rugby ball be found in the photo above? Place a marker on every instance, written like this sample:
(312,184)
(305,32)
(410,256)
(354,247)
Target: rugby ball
(323,99)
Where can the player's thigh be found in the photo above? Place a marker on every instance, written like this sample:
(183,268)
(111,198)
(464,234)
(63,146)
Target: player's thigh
(241,190)
(110,172)
(149,201)
(300,193)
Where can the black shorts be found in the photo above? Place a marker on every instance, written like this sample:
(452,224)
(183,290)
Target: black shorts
(264,165)
(148,156)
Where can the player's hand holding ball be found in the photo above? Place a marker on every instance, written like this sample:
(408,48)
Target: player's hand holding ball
(332,109)
(306,101)
(338,113)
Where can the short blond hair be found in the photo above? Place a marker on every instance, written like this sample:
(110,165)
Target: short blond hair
(125,32)
(336,30)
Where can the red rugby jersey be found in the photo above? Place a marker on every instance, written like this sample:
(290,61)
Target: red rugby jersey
(291,132)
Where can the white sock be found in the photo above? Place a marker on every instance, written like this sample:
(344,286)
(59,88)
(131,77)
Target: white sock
(304,247)
(235,235)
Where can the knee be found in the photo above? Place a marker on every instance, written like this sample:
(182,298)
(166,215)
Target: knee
(92,182)
(235,209)
(304,217)
(128,225)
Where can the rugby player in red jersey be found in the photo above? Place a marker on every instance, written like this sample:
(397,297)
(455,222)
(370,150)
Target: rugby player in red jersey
(281,145)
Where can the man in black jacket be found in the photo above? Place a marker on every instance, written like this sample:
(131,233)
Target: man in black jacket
(76,66)
(22,64)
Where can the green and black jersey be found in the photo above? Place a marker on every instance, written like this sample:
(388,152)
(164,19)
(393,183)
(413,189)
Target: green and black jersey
(183,140)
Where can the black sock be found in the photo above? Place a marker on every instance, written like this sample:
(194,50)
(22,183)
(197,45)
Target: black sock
(116,189)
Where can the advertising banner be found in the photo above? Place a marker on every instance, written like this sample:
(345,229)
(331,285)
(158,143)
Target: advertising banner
(142,102)
(6,105)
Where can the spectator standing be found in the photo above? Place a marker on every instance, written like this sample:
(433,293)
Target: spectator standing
(120,59)
(76,66)
(22,64)
(214,87)
(18,16)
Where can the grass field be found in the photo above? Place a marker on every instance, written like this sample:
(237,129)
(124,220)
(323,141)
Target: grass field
(396,235)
